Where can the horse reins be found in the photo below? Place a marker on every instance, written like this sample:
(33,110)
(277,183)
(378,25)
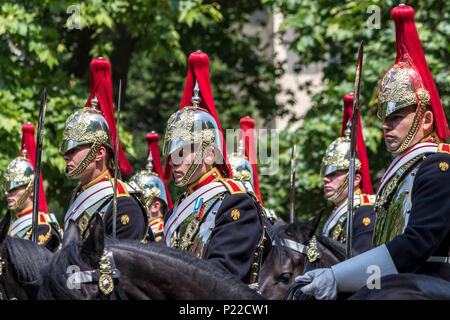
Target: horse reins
(5,290)
(313,255)
(107,276)
(311,252)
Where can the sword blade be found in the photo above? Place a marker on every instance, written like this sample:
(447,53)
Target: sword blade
(37,167)
(353,136)
(116,164)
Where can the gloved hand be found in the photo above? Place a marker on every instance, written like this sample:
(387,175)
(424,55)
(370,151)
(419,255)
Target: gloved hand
(322,284)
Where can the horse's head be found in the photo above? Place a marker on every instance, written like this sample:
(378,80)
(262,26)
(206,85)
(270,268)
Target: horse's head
(287,258)
(75,271)
(21,261)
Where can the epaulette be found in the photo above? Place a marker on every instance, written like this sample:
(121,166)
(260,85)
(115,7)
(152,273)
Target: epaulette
(121,189)
(43,238)
(233,186)
(365,199)
(444,148)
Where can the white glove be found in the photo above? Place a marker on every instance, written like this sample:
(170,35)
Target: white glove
(322,284)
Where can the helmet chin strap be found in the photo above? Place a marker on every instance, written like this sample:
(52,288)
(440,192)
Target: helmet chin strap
(84,163)
(23,197)
(198,157)
(340,189)
(412,131)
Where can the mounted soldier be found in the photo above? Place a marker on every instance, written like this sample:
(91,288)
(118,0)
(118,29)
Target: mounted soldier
(154,190)
(18,186)
(412,229)
(215,218)
(335,173)
(244,166)
(88,149)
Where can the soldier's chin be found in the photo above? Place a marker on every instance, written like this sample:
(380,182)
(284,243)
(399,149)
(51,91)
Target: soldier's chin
(68,174)
(391,147)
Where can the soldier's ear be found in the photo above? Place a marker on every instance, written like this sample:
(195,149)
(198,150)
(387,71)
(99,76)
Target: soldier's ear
(4,226)
(93,246)
(71,234)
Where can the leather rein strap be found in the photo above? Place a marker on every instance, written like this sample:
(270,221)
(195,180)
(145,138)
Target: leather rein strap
(311,252)
(107,276)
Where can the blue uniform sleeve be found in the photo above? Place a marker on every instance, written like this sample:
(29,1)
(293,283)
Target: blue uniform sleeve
(363,224)
(235,236)
(429,220)
(130,222)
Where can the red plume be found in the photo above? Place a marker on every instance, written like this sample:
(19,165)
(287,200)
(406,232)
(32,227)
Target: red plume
(360,145)
(29,144)
(153,148)
(102,87)
(247,125)
(409,49)
(199,69)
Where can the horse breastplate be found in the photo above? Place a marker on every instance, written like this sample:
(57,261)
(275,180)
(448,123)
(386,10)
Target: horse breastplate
(393,204)
(194,232)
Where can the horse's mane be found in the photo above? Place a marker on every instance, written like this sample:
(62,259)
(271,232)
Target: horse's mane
(56,279)
(277,233)
(27,259)
(54,274)
(336,247)
(193,266)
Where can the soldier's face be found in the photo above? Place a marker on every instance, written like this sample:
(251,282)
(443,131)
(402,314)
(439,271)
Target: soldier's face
(396,126)
(332,183)
(74,156)
(13,195)
(180,161)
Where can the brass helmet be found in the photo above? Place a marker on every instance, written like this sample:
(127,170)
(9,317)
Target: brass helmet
(148,180)
(19,173)
(195,126)
(189,126)
(94,123)
(85,126)
(240,166)
(150,184)
(337,157)
(409,82)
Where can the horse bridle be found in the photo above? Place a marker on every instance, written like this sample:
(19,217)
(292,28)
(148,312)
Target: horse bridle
(5,290)
(313,255)
(107,277)
(311,252)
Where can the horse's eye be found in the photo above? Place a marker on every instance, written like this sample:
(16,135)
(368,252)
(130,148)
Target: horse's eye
(285,277)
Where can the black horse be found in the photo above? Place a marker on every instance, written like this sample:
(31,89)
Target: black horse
(406,286)
(138,271)
(289,256)
(21,261)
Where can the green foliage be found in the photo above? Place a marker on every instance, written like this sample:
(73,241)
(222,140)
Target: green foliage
(331,32)
(50,44)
